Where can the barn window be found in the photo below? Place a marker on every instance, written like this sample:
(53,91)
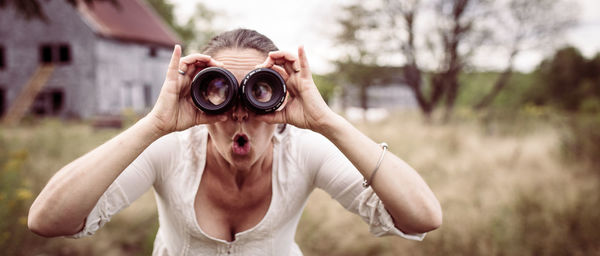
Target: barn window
(2,61)
(153,52)
(64,53)
(46,54)
(147,96)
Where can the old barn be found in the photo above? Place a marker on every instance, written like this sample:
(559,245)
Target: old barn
(82,61)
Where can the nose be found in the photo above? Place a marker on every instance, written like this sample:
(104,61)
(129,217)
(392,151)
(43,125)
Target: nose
(239,113)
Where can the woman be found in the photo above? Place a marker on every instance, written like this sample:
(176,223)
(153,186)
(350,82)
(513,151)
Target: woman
(217,195)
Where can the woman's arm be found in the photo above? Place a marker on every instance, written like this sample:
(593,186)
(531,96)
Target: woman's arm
(70,195)
(405,195)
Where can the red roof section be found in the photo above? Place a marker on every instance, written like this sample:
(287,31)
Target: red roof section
(130,20)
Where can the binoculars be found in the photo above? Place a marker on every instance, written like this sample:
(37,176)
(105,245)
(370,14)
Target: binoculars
(215,90)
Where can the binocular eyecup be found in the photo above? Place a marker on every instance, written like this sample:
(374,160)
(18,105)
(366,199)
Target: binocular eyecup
(215,90)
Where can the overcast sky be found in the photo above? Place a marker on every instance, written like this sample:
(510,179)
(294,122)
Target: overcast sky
(312,23)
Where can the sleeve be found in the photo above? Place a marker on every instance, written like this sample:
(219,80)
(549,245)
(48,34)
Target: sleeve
(132,183)
(335,174)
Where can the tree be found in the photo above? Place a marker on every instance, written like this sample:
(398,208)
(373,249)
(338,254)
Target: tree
(326,85)
(358,66)
(401,16)
(392,26)
(564,81)
(448,44)
(196,31)
(456,29)
(524,24)
(436,39)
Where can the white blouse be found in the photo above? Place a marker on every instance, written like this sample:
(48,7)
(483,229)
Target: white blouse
(302,160)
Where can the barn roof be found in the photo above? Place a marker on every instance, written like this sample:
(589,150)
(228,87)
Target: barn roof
(131,20)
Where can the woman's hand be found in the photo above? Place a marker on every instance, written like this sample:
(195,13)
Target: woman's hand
(174,110)
(304,108)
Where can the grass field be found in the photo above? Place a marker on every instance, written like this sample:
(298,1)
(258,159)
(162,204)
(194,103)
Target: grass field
(504,186)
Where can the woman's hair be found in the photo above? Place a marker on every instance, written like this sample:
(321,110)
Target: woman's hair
(240,39)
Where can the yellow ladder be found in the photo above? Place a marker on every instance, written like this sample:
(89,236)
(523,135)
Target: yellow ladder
(21,104)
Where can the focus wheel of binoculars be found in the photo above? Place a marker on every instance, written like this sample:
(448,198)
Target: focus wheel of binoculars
(215,90)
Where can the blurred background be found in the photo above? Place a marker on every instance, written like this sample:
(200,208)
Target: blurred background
(495,103)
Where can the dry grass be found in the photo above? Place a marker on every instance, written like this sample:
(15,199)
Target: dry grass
(503,187)
(491,182)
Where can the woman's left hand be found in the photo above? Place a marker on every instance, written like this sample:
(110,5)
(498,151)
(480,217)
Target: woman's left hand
(304,108)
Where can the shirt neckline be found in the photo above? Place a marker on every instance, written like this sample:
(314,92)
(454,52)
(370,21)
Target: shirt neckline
(199,179)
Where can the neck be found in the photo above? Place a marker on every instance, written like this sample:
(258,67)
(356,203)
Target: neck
(233,175)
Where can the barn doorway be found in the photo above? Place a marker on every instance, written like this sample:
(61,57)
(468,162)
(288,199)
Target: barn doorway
(49,102)
(2,101)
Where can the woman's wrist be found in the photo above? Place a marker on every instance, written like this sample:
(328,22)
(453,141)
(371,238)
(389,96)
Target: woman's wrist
(150,128)
(330,124)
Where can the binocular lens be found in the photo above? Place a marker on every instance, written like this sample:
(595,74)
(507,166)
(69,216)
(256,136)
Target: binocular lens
(216,91)
(262,92)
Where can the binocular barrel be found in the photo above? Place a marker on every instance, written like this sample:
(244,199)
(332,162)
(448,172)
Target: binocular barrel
(215,90)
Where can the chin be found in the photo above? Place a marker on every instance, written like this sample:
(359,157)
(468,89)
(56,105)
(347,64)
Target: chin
(241,160)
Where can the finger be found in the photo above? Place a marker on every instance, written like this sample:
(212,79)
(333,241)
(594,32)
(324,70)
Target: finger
(196,57)
(195,61)
(289,68)
(268,63)
(284,74)
(281,57)
(172,73)
(304,67)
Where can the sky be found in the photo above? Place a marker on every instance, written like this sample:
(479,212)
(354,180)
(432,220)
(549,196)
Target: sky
(312,23)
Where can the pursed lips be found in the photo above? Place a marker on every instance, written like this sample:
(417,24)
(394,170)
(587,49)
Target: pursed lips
(241,144)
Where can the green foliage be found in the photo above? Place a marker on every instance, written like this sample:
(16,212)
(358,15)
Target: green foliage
(196,31)
(15,198)
(326,85)
(476,84)
(567,81)
(354,22)
(165,10)
(29,155)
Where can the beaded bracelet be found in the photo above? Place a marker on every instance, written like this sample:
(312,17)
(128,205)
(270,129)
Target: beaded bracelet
(366,182)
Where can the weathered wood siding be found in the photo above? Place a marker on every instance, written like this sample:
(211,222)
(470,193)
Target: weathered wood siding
(123,70)
(22,39)
(104,76)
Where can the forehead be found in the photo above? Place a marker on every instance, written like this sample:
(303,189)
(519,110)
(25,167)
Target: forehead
(239,61)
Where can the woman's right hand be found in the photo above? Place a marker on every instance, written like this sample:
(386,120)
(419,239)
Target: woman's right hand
(174,110)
